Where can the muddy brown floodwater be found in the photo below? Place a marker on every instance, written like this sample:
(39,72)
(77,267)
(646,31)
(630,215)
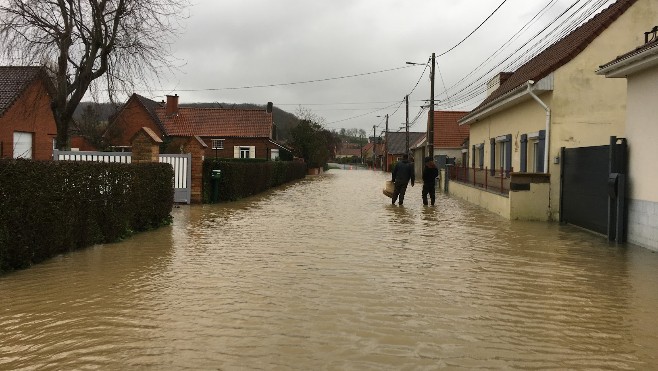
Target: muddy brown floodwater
(324,274)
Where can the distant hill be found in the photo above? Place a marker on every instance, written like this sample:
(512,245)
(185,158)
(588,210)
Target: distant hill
(284,120)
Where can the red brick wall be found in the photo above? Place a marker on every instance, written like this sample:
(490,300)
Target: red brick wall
(30,113)
(129,121)
(261,145)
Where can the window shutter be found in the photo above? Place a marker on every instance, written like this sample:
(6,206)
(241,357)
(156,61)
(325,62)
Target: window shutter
(236,151)
(524,153)
(542,148)
(492,157)
(508,153)
(252,151)
(481,155)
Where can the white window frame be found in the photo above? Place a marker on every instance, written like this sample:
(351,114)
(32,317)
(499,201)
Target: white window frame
(501,147)
(217,143)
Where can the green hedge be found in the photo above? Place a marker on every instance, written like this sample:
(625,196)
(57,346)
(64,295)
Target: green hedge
(244,178)
(48,208)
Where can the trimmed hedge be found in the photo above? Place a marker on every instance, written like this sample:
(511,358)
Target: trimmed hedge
(244,178)
(48,207)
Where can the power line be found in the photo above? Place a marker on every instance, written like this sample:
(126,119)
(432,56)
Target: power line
(293,83)
(472,32)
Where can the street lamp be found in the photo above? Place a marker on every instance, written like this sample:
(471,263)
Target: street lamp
(430,122)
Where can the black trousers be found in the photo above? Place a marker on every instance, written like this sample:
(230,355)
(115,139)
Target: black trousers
(400,190)
(431,190)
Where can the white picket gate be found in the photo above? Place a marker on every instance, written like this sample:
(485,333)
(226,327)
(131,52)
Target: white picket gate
(180,163)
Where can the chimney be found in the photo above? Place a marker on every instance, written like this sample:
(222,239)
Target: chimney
(497,81)
(269,107)
(172,105)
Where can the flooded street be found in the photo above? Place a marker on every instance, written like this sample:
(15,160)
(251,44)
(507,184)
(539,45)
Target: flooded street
(325,274)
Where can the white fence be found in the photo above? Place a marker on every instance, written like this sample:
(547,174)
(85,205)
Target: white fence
(180,163)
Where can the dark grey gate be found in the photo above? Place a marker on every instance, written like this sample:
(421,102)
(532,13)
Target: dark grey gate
(589,188)
(584,187)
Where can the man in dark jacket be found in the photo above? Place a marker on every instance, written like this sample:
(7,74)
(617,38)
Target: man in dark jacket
(403,172)
(430,172)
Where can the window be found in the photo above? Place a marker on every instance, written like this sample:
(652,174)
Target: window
(503,150)
(478,155)
(532,151)
(217,143)
(244,152)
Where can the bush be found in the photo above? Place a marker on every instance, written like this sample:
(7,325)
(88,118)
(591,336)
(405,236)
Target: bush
(244,178)
(48,208)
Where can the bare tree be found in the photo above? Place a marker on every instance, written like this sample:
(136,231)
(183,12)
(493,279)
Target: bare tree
(90,45)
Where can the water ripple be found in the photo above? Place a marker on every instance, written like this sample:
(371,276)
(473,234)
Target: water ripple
(325,274)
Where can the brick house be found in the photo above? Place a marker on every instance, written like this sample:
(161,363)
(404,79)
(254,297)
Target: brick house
(27,124)
(228,133)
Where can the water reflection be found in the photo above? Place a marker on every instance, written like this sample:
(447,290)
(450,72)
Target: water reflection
(326,274)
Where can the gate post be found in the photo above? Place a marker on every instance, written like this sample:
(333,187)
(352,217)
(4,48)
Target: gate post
(197,148)
(145,146)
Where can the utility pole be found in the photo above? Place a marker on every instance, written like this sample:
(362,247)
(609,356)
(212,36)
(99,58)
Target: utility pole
(386,145)
(406,125)
(430,122)
(374,146)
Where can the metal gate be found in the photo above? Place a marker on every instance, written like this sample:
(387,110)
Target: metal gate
(584,187)
(182,165)
(592,188)
(182,175)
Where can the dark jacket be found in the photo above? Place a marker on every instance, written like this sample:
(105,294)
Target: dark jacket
(430,174)
(403,172)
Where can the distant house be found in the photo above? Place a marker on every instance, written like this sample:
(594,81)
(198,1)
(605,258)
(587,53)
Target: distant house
(640,69)
(395,146)
(27,124)
(555,100)
(449,138)
(228,133)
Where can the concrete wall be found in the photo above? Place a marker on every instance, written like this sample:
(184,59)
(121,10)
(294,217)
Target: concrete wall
(493,202)
(642,134)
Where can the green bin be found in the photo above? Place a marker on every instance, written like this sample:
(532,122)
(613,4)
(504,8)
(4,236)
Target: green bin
(215,175)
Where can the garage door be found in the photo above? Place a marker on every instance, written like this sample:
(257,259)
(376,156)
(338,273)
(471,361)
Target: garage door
(22,144)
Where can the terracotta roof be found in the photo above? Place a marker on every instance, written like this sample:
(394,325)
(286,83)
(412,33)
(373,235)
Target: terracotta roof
(13,81)
(563,51)
(447,131)
(396,141)
(220,122)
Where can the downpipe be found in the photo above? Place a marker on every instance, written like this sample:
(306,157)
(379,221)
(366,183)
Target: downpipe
(547,140)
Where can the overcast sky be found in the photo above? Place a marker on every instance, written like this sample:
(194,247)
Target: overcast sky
(229,44)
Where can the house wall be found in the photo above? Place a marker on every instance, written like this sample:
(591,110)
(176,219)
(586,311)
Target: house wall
(129,121)
(524,118)
(261,145)
(30,113)
(641,134)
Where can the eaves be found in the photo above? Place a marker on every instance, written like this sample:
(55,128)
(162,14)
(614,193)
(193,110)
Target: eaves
(507,100)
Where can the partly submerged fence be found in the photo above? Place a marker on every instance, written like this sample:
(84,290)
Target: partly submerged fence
(489,179)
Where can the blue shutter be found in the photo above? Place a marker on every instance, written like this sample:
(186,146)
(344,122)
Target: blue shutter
(492,158)
(524,153)
(508,153)
(542,149)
